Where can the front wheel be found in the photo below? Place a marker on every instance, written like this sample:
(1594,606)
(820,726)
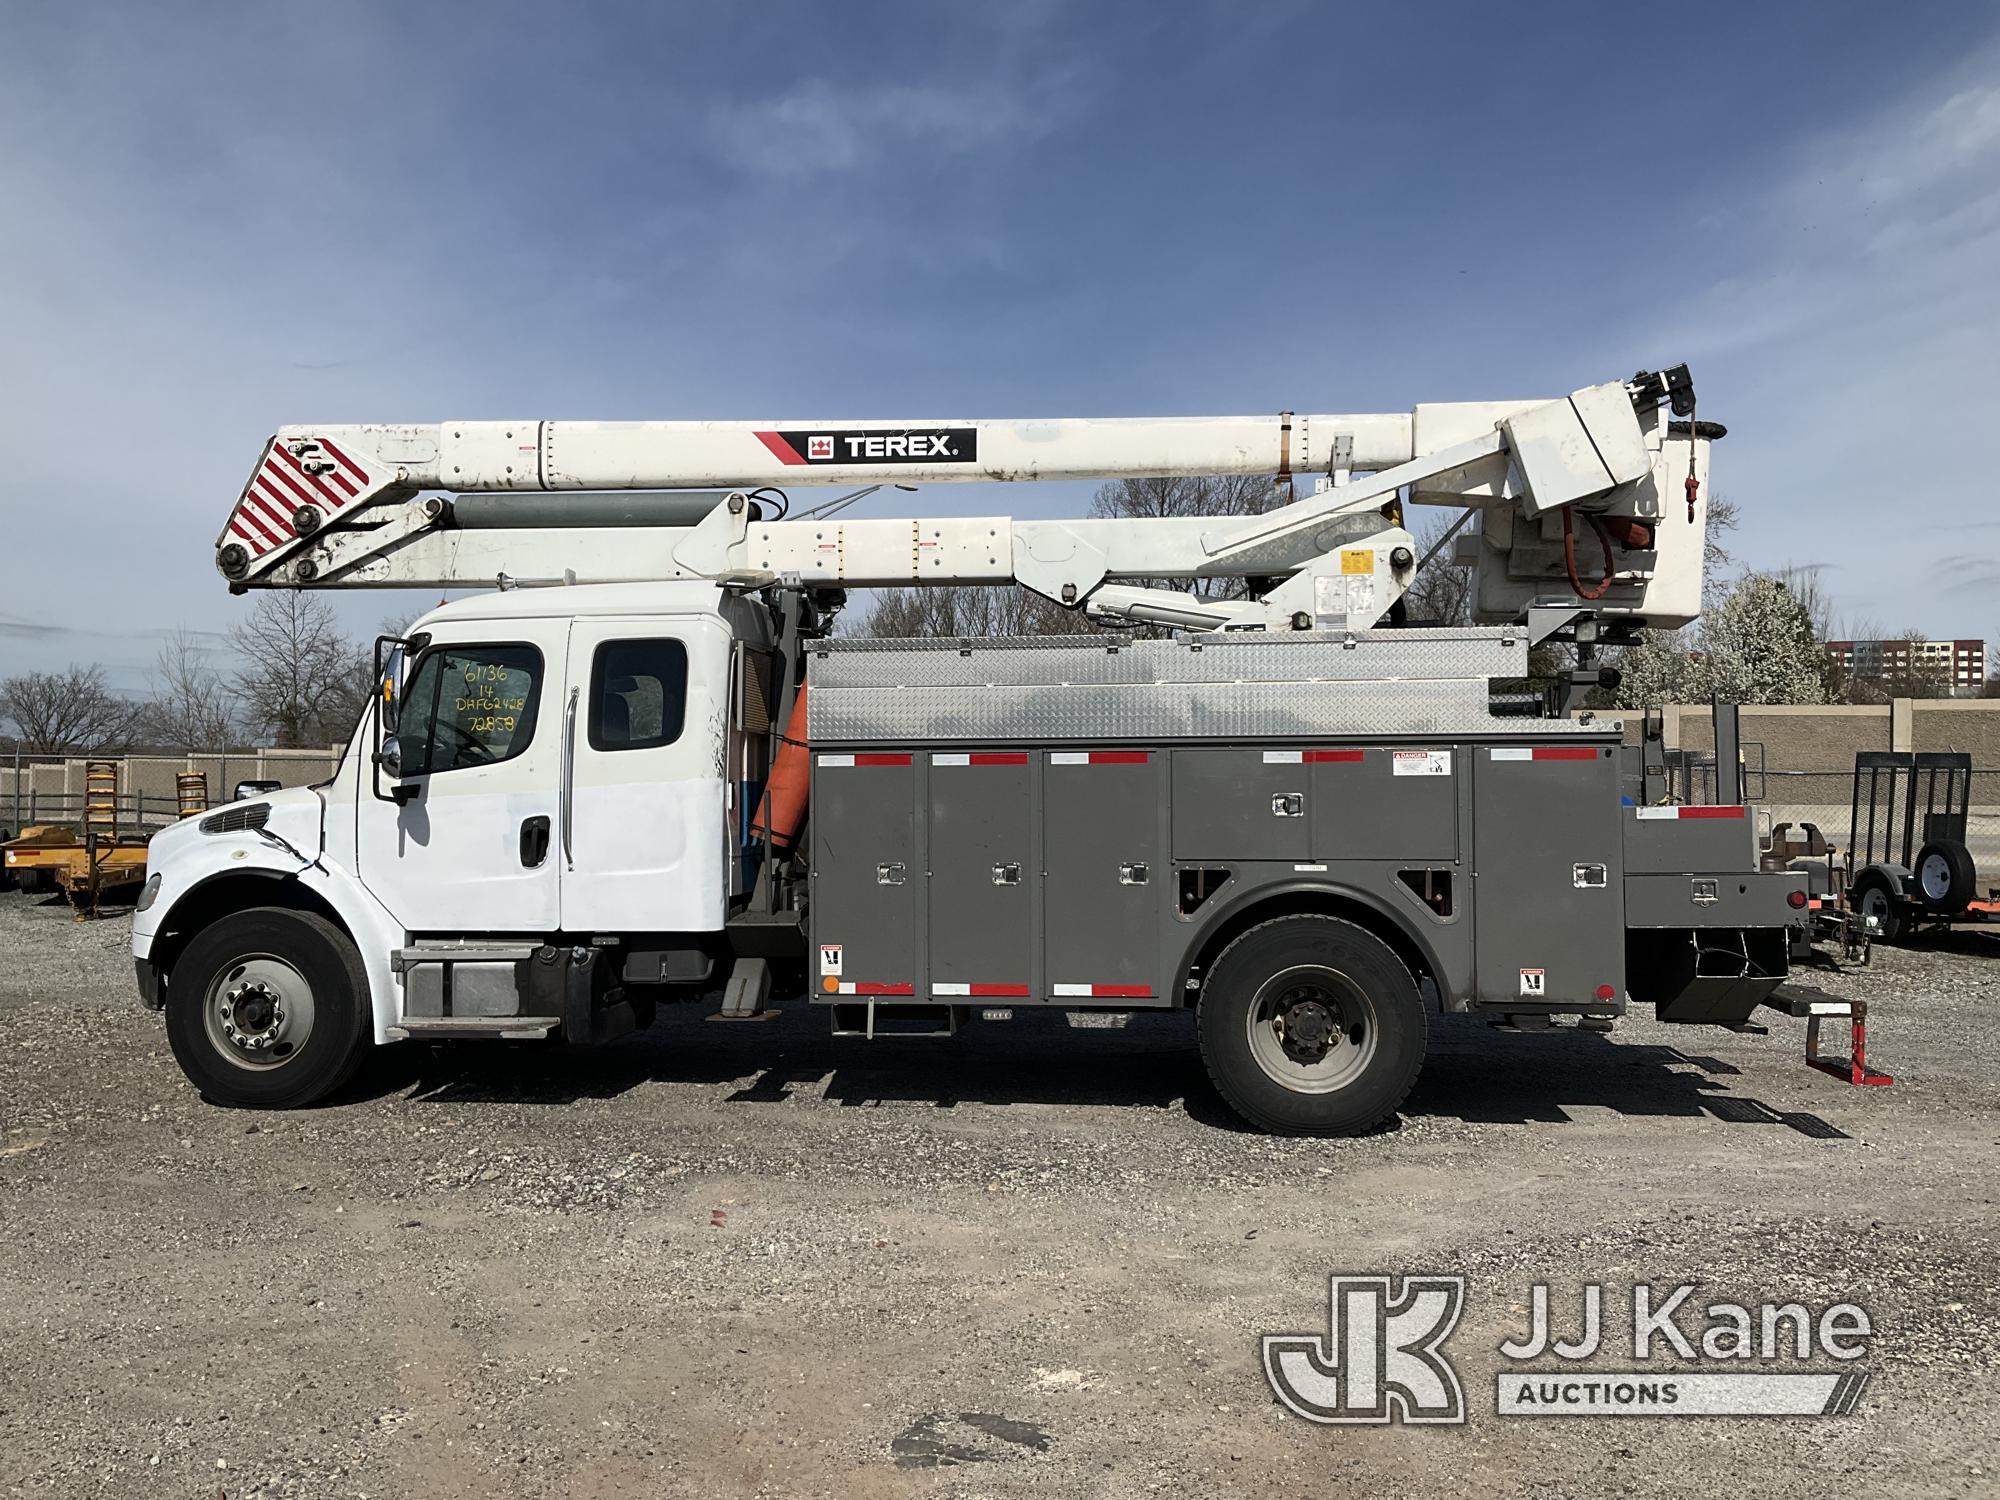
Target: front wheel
(265,1009)
(1312,1026)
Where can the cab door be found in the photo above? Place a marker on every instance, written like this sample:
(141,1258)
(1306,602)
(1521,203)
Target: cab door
(644,834)
(467,848)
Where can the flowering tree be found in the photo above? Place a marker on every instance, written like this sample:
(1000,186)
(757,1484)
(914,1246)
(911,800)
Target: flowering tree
(1757,646)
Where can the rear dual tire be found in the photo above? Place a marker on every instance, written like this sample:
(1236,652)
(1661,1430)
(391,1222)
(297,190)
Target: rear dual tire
(1312,1026)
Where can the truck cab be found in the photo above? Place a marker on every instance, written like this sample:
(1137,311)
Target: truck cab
(546,771)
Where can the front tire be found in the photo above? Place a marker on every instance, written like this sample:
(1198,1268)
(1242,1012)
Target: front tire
(1312,1026)
(265,1009)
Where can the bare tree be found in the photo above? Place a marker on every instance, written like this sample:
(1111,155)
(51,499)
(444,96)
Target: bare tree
(1805,585)
(1901,669)
(190,708)
(1716,558)
(57,713)
(987,610)
(974,610)
(398,621)
(298,680)
(1443,591)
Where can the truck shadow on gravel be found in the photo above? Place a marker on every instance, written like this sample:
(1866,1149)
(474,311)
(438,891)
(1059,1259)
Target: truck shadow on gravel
(1472,1075)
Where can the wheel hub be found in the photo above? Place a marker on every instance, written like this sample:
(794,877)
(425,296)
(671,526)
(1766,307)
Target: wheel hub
(1307,1027)
(1312,1028)
(253,1015)
(258,1012)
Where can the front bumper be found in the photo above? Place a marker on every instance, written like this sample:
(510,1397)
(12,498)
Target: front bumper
(152,984)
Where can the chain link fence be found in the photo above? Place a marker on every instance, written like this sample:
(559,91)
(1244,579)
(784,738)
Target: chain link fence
(50,789)
(1826,798)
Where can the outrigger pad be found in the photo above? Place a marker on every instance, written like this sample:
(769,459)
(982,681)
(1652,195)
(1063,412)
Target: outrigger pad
(1817,1006)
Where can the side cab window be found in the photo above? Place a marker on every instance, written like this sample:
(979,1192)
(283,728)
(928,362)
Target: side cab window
(638,694)
(468,705)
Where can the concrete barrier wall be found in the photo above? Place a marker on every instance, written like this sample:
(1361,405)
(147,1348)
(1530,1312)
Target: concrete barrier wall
(52,791)
(1809,752)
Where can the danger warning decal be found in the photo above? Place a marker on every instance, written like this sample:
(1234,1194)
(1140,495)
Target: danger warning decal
(1422,763)
(902,445)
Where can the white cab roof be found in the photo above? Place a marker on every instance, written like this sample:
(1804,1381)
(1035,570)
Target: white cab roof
(678,598)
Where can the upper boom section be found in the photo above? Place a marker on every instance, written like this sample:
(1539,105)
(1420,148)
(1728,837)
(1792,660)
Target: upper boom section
(342,505)
(338,468)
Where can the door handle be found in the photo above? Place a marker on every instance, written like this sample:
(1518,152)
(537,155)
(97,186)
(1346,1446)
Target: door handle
(534,840)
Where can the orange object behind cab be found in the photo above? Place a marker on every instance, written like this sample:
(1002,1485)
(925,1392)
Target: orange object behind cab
(783,811)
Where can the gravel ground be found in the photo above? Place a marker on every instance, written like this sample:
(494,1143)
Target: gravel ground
(750,1259)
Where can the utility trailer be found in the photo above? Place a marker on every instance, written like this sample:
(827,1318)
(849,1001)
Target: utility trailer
(646,768)
(1908,867)
(94,860)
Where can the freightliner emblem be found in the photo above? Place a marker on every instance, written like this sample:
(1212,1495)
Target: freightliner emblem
(904,445)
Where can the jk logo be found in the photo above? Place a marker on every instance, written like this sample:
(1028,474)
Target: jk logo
(1380,1361)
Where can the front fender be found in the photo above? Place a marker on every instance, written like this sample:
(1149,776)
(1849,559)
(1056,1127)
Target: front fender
(192,874)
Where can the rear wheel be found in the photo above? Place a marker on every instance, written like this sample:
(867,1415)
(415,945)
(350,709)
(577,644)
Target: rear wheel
(1881,906)
(1312,1026)
(265,1009)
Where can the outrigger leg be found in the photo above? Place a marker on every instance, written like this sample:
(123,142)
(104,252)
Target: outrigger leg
(1815,1006)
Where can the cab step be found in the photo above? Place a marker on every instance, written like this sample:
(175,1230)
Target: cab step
(872,1019)
(507,1028)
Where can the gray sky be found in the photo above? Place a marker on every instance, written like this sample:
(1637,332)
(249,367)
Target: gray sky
(220,218)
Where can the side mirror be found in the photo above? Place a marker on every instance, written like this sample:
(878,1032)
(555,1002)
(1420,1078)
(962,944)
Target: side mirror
(385,710)
(390,758)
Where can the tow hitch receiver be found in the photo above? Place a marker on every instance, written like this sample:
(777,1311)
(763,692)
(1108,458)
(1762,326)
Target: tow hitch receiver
(1816,1006)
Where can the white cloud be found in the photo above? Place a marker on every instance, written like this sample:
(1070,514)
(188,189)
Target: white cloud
(820,126)
(1845,334)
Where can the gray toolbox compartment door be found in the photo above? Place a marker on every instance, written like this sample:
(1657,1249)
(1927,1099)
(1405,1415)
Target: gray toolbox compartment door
(1241,804)
(981,855)
(1386,803)
(1549,908)
(1103,877)
(865,874)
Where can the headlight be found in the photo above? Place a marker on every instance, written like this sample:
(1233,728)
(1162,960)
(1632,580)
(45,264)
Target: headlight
(149,894)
